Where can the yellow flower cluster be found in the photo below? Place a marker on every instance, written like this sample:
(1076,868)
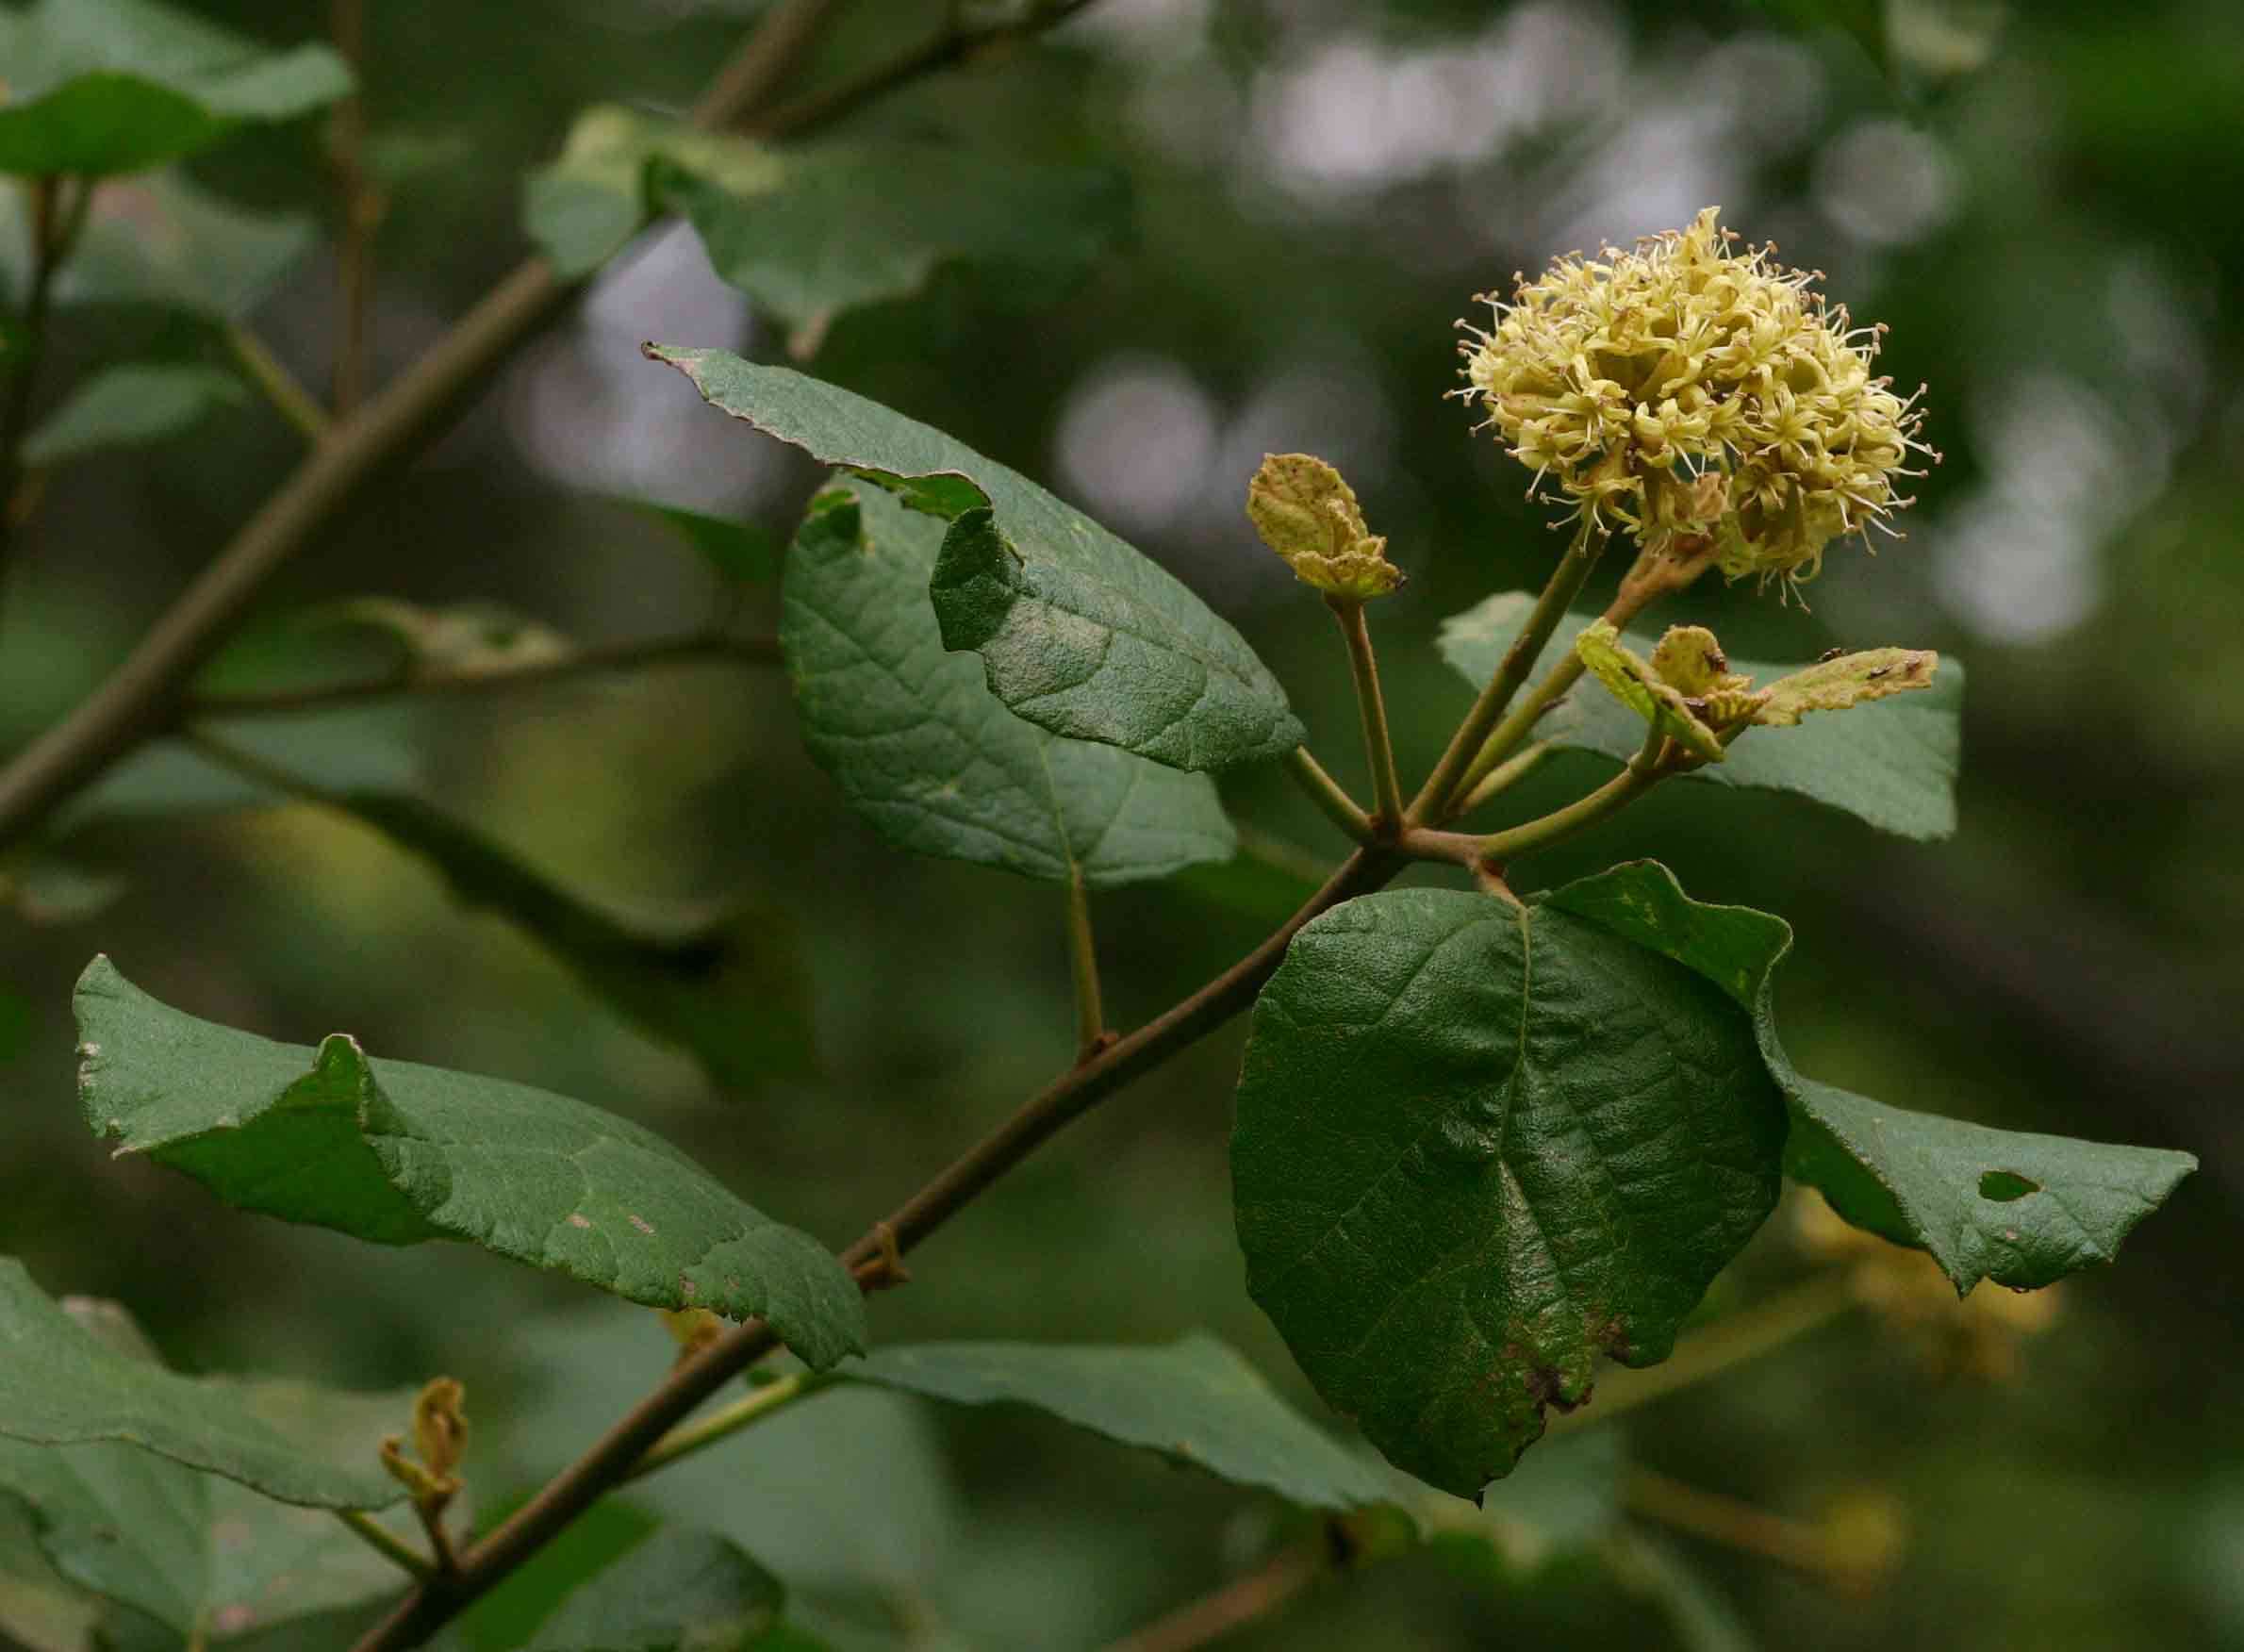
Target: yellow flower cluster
(1686,391)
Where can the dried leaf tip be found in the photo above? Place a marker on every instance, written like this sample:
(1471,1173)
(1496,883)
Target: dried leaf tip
(1306,511)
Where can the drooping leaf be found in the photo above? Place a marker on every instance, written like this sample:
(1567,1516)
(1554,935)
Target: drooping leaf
(136,404)
(1077,632)
(678,1590)
(118,86)
(925,752)
(739,551)
(160,241)
(813,231)
(190,1549)
(1478,1145)
(397,1153)
(1195,1400)
(1893,764)
(2020,1209)
(62,1385)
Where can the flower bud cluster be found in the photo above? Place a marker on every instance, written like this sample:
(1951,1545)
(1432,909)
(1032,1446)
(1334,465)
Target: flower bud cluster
(1685,391)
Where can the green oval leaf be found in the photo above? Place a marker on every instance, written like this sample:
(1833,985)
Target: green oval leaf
(61,1385)
(813,231)
(1892,764)
(136,404)
(2023,1210)
(197,1551)
(1196,1401)
(118,86)
(1478,1145)
(924,751)
(1077,632)
(160,241)
(397,1153)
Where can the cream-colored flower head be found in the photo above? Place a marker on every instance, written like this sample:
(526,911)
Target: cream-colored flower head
(1686,391)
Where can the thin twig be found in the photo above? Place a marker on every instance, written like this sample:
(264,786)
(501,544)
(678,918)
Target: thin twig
(1732,1522)
(1433,800)
(619,656)
(1090,1035)
(1387,804)
(1329,795)
(1274,1584)
(58,207)
(141,696)
(387,1542)
(360,207)
(953,46)
(278,386)
(613,1458)
(724,1423)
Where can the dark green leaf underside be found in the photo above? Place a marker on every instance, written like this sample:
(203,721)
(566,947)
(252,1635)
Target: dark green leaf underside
(1477,1146)
(1196,1401)
(62,1385)
(1892,762)
(397,1153)
(1945,1186)
(1077,632)
(925,752)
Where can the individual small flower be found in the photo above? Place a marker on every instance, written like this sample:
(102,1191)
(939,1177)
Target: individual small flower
(1307,512)
(1696,396)
(1688,692)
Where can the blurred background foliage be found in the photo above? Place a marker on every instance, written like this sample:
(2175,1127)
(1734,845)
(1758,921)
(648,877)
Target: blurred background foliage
(2038,200)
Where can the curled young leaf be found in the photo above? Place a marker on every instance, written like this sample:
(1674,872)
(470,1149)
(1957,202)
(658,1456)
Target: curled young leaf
(1306,511)
(1638,686)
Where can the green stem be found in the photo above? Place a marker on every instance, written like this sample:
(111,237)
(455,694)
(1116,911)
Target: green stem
(1731,1522)
(58,207)
(1082,960)
(1432,801)
(1504,775)
(722,1424)
(1329,795)
(1256,1594)
(387,1542)
(277,384)
(1644,772)
(1378,747)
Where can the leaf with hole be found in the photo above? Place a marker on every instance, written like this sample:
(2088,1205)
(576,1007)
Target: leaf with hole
(195,1549)
(135,405)
(1892,762)
(924,751)
(1077,632)
(1195,1400)
(2020,1209)
(809,232)
(1479,1146)
(118,86)
(397,1153)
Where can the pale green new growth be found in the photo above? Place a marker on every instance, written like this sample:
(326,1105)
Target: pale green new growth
(1306,511)
(1638,686)
(1849,680)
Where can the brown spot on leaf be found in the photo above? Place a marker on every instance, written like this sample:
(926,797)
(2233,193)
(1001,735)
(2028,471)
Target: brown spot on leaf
(578,1219)
(639,1223)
